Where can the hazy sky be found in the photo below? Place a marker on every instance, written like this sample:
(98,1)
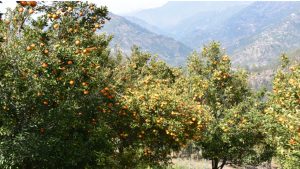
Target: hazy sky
(126,6)
(115,6)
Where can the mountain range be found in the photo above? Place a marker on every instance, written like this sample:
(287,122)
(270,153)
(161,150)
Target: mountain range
(126,34)
(254,34)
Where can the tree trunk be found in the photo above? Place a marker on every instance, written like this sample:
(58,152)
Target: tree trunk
(214,163)
(223,163)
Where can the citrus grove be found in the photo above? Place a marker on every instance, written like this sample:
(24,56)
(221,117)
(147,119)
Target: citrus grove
(67,101)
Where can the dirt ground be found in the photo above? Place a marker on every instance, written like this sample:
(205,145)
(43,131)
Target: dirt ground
(206,164)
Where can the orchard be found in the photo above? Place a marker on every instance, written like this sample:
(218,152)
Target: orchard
(67,101)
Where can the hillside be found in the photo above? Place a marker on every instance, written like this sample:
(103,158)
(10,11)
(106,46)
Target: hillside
(126,34)
(178,16)
(253,33)
(264,48)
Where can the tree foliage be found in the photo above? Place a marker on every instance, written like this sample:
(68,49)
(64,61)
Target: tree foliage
(234,134)
(67,102)
(284,108)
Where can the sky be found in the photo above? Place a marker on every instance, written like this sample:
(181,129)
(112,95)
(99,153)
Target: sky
(115,6)
(128,6)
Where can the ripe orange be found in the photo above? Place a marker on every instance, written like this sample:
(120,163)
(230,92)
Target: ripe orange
(71,82)
(44,65)
(42,130)
(21,9)
(32,45)
(45,102)
(28,48)
(46,51)
(55,26)
(85,92)
(84,84)
(31,11)
(23,3)
(32,3)
(54,16)
(70,62)
(42,44)
(97,25)
(292,141)
(77,42)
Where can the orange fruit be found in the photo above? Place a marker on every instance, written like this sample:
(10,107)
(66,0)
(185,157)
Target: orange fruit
(71,82)
(46,51)
(97,25)
(23,3)
(28,48)
(70,62)
(85,92)
(45,102)
(55,26)
(77,42)
(21,9)
(84,84)
(44,65)
(54,16)
(32,3)
(42,130)
(31,11)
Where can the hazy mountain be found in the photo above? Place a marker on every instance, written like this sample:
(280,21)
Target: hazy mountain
(262,49)
(238,28)
(126,34)
(254,33)
(173,13)
(294,55)
(146,25)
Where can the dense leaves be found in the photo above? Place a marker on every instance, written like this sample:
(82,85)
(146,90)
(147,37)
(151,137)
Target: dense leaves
(235,133)
(284,110)
(67,102)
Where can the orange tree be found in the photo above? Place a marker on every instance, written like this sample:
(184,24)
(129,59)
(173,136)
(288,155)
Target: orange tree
(66,103)
(52,67)
(157,114)
(284,110)
(235,133)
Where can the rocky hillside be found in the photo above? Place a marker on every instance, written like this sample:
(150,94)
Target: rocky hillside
(126,34)
(255,34)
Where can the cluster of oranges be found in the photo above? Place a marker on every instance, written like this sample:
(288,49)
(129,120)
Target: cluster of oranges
(105,92)
(27,3)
